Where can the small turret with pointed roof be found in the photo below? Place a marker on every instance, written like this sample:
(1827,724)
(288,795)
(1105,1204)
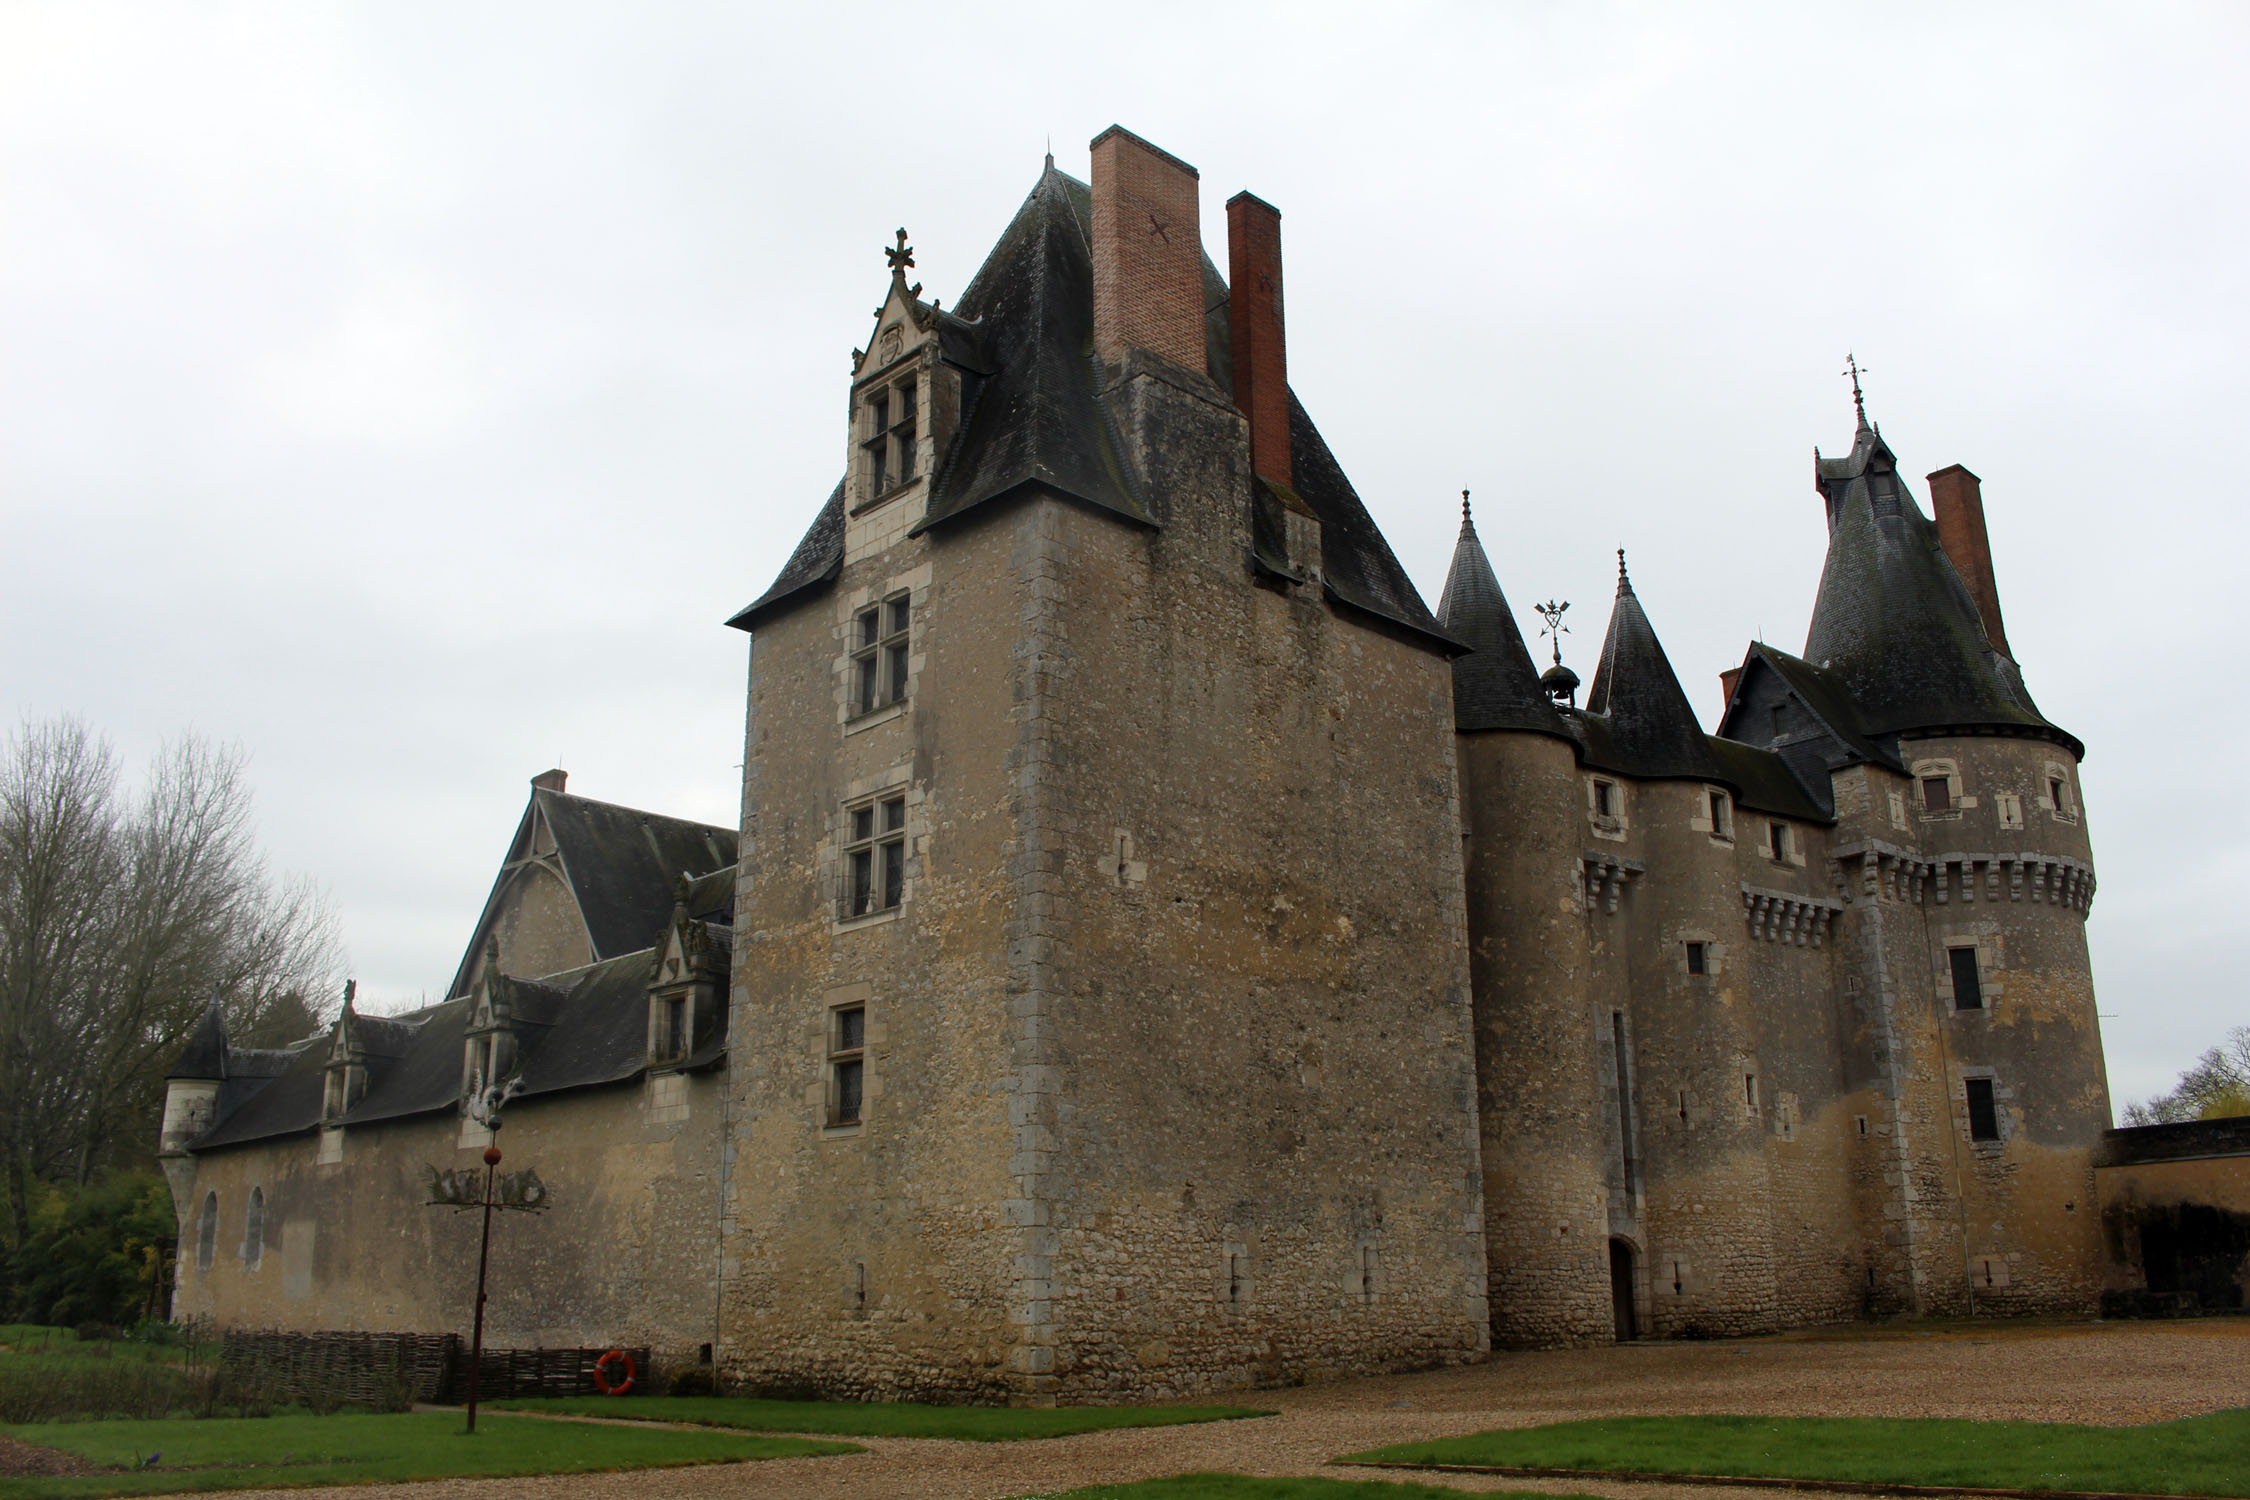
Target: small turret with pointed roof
(205,1055)
(1651,729)
(1496,685)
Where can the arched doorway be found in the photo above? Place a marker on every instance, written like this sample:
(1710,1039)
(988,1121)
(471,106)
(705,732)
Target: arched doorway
(1621,1290)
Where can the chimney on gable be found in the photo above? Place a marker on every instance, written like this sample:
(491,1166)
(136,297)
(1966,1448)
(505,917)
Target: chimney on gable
(551,781)
(1727,680)
(1261,361)
(1148,252)
(1958,498)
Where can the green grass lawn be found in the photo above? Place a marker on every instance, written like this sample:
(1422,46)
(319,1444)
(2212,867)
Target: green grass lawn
(978,1424)
(261,1452)
(2208,1455)
(1241,1487)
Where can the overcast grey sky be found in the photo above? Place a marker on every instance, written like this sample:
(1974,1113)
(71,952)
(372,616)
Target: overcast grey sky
(407,391)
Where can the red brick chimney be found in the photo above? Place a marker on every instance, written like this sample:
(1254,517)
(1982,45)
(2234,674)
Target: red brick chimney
(1958,497)
(1261,359)
(1727,680)
(1148,252)
(551,781)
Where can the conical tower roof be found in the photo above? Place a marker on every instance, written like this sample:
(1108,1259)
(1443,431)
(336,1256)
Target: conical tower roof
(205,1055)
(1650,729)
(1893,620)
(1496,685)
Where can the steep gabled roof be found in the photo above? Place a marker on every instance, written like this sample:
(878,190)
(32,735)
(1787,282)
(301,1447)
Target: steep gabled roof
(1495,685)
(622,865)
(818,559)
(1893,620)
(1033,416)
(1649,729)
(1037,419)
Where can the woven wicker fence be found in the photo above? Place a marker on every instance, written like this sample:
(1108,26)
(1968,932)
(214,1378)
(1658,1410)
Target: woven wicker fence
(372,1369)
(359,1369)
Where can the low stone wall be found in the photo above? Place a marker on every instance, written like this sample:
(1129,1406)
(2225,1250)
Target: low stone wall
(2175,1203)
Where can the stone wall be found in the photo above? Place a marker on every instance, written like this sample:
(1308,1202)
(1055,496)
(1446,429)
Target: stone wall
(1169,1079)
(624,1257)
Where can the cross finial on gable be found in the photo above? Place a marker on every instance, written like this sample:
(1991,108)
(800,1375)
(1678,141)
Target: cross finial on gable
(900,256)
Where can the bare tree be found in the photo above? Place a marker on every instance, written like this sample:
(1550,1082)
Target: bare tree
(2217,1085)
(118,919)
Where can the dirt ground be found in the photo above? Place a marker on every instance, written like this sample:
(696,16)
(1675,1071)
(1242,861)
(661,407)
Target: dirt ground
(2084,1372)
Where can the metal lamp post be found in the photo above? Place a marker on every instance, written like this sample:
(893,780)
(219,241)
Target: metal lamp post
(458,1190)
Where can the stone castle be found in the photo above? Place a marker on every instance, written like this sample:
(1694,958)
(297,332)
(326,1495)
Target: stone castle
(1159,954)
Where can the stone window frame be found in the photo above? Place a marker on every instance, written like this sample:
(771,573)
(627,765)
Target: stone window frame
(1899,814)
(2008,808)
(1791,854)
(876,442)
(1615,823)
(2055,775)
(207,1231)
(836,866)
(882,664)
(873,832)
(1714,814)
(1957,800)
(1998,1140)
(254,1229)
(1985,938)
(844,1055)
(914,584)
(1714,954)
(820,1039)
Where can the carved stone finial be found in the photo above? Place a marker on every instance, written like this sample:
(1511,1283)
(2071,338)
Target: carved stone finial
(351,989)
(1465,508)
(1623,582)
(900,256)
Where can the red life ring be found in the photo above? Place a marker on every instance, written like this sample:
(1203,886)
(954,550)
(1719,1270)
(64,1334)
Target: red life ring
(609,1362)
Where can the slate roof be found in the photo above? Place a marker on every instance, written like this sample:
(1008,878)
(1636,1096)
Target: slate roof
(1033,416)
(1496,684)
(623,866)
(576,1030)
(1038,419)
(818,559)
(1893,620)
(1637,723)
(1648,728)
(205,1055)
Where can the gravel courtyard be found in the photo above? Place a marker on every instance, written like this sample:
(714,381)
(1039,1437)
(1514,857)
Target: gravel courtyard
(2083,1372)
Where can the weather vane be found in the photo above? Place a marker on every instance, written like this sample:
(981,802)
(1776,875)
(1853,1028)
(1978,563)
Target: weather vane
(1853,368)
(1552,613)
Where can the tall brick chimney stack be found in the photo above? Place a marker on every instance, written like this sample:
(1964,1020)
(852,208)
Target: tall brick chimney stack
(1261,357)
(551,781)
(1148,252)
(1958,497)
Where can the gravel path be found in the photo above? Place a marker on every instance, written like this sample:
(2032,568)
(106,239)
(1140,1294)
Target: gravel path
(2072,1373)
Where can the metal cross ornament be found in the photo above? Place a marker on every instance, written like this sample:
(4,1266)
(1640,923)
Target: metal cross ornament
(1552,613)
(1853,368)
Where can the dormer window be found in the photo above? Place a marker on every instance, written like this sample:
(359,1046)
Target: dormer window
(893,429)
(332,1095)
